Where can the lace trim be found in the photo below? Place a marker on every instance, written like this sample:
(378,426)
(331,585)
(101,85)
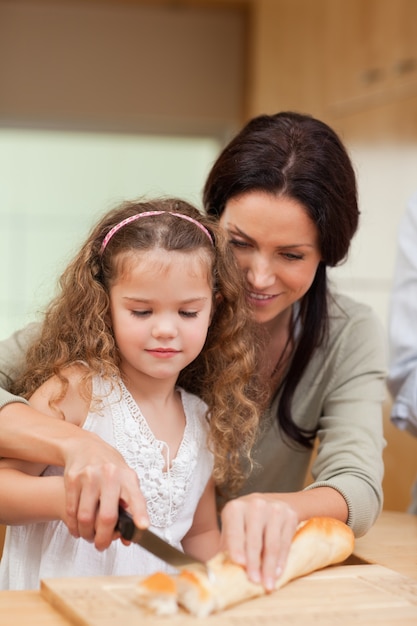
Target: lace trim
(165,491)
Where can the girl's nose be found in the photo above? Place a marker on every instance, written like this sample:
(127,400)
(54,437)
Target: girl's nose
(164,327)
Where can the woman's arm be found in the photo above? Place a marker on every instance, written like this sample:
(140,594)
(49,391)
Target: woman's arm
(26,433)
(348,465)
(251,522)
(92,467)
(203,538)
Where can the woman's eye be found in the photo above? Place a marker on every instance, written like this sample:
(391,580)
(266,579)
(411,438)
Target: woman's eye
(238,243)
(293,257)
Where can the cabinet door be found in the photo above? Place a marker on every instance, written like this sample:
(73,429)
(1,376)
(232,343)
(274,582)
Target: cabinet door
(371,52)
(403,58)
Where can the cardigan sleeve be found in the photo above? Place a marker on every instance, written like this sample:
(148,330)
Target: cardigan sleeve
(350,429)
(12,359)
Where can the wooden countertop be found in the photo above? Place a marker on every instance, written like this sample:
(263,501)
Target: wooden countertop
(28,608)
(391,543)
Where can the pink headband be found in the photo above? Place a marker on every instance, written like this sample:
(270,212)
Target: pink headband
(132,218)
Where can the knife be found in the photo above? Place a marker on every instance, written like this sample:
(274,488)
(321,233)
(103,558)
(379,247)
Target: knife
(160,548)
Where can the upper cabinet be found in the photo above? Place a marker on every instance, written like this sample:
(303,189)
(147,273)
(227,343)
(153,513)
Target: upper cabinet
(370,53)
(352,63)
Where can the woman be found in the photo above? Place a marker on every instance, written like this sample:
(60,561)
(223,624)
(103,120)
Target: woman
(285,191)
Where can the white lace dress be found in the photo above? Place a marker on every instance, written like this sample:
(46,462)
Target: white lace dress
(47,550)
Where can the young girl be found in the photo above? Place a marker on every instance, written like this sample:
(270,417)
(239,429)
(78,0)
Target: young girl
(149,346)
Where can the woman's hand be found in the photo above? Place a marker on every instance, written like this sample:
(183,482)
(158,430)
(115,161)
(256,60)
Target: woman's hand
(257,530)
(97,479)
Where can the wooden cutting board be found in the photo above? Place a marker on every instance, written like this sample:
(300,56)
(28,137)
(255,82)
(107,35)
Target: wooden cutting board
(360,595)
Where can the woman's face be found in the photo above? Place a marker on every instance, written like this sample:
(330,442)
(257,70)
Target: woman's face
(277,246)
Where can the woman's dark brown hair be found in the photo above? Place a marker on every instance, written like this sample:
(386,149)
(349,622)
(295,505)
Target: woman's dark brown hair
(302,158)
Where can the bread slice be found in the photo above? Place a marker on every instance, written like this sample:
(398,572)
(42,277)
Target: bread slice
(158,594)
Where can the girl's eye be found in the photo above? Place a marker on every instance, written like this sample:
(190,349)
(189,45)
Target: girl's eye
(141,313)
(189,313)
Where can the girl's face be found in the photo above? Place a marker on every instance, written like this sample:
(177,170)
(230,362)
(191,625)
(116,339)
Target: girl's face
(161,308)
(277,246)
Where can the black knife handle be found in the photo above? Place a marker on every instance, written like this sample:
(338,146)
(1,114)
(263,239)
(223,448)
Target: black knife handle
(125,524)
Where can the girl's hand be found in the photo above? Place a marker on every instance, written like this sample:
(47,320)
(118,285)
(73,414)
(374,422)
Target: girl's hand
(97,479)
(257,530)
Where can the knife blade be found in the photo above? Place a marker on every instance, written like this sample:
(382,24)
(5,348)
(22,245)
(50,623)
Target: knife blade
(159,547)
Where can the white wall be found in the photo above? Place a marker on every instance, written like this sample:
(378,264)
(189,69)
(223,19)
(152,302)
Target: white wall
(387,177)
(53,187)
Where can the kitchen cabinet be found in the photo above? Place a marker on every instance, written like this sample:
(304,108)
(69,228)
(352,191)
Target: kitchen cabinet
(370,53)
(351,63)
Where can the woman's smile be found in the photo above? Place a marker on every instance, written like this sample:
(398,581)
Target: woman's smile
(260,299)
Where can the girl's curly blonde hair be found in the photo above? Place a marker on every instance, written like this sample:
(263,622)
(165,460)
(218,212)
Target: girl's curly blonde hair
(77,326)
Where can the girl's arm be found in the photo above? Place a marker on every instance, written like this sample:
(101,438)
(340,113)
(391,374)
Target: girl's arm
(203,538)
(28,498)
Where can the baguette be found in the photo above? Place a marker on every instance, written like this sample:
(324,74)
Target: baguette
(317,543)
